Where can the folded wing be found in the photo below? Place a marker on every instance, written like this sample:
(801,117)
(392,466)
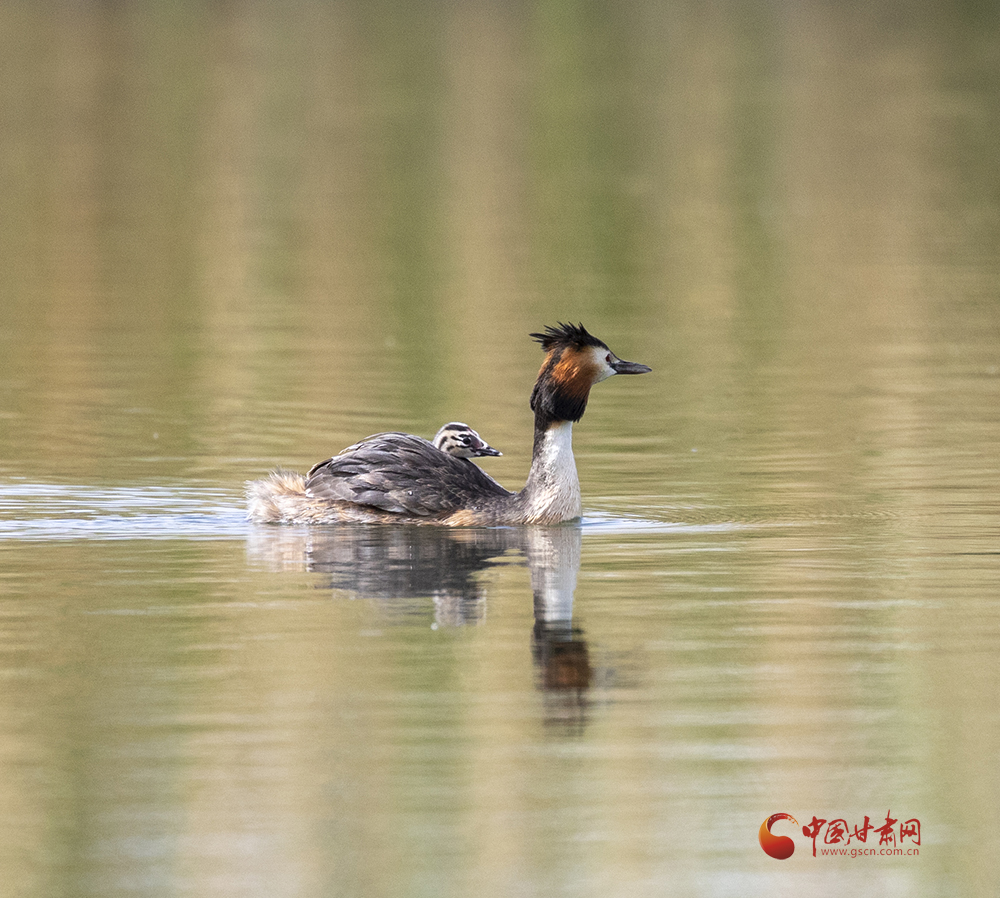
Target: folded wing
(402,474)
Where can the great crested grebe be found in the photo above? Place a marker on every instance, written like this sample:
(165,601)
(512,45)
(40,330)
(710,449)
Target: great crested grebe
(399,478)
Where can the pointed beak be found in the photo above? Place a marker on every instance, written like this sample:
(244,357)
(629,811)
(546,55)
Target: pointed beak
(481,447)
(623,367)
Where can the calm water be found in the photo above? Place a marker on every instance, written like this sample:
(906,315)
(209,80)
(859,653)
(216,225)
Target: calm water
(233,237)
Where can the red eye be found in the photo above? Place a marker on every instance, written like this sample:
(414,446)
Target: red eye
(607,358)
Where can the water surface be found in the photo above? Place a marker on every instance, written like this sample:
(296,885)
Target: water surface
(233,238)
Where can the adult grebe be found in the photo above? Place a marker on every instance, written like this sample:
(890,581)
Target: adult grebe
(399,478)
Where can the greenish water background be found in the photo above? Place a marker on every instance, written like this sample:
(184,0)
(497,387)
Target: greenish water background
(236,236)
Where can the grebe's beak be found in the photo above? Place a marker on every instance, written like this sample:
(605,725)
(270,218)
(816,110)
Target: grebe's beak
(622,367)
(483,448)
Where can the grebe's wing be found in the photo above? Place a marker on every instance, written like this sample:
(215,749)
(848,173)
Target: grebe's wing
(403,474)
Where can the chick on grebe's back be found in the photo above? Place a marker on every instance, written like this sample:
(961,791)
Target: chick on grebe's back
(400,478)
(279,499)
(462,441)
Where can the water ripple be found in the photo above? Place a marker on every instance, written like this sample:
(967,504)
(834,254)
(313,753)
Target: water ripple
(50,511)
(54,511)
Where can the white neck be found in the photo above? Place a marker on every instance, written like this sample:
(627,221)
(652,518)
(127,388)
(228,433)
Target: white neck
(552,493)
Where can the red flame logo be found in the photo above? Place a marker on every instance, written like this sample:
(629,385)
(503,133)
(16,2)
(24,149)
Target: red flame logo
(779,847)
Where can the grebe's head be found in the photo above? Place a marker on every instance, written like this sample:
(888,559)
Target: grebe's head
(575,360)
(462,441)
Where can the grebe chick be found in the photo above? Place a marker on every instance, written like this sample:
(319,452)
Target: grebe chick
(462,441)
(400,478)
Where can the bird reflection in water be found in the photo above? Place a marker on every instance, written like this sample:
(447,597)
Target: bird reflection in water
(559,649)
(401,567)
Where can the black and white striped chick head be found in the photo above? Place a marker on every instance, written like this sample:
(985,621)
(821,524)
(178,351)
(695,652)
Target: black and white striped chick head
(462,441)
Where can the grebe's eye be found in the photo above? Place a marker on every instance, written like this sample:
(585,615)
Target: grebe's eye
(607,358)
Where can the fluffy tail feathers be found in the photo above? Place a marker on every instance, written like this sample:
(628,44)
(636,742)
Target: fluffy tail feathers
(275,499)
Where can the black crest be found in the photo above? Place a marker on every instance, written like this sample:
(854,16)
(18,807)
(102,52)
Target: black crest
(567,335)
(562,396)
